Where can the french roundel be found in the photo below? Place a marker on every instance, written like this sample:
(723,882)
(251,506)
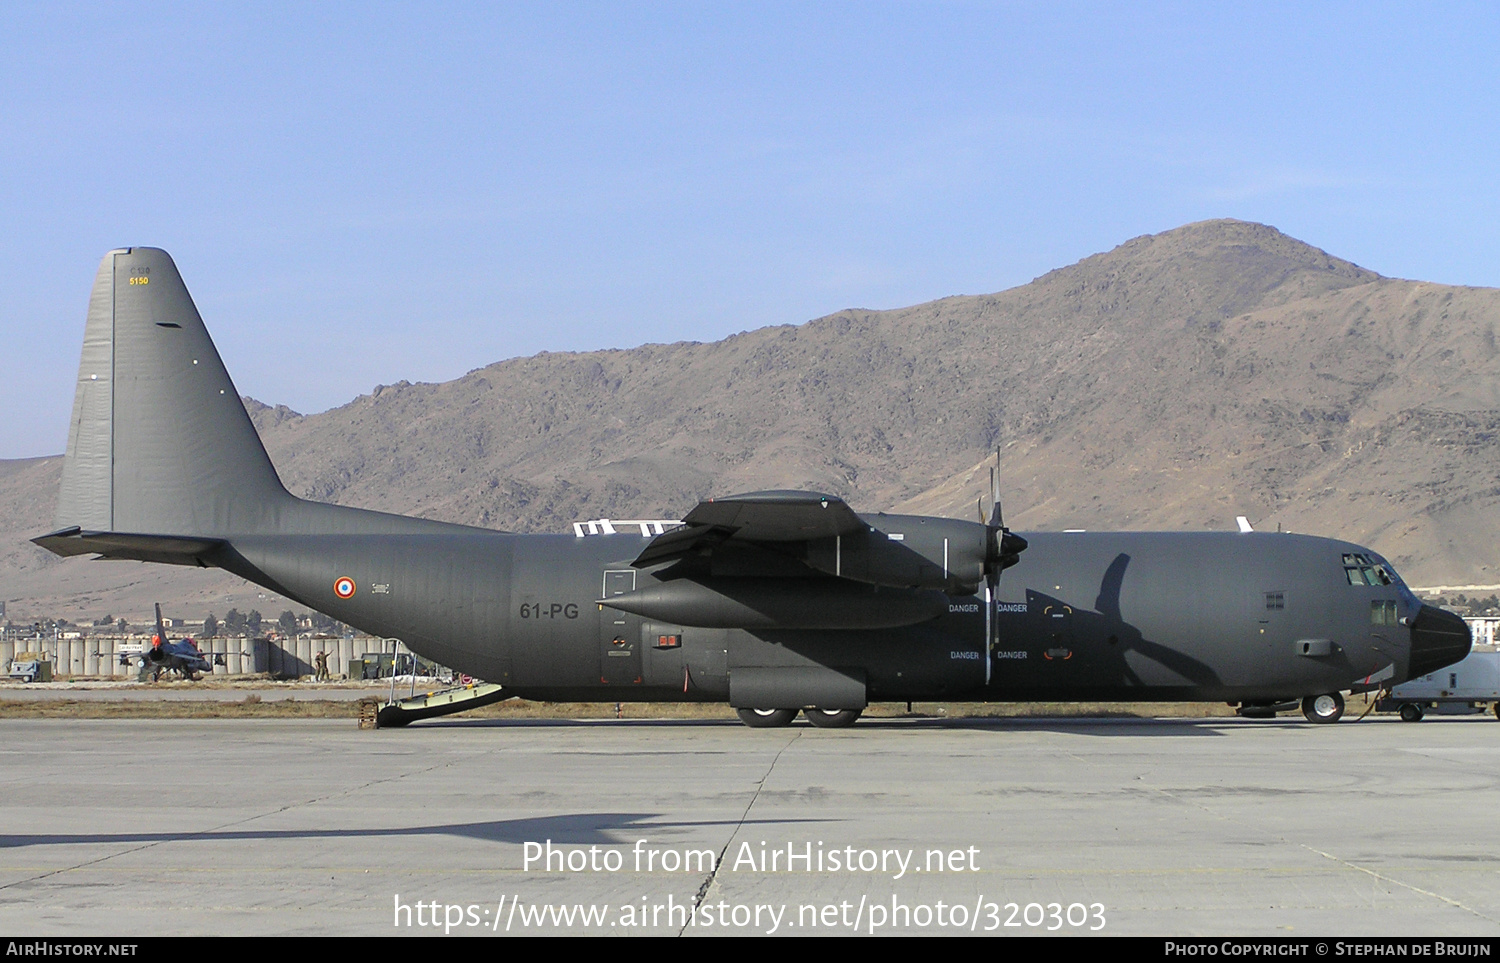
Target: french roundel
(344,587)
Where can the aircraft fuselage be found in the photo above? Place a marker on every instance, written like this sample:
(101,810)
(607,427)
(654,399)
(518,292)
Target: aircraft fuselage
(1139,616)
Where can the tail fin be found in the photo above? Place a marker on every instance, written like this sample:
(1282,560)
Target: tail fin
(160,441)
(163,462)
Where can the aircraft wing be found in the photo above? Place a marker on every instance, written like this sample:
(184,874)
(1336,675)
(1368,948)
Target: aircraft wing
(774,516)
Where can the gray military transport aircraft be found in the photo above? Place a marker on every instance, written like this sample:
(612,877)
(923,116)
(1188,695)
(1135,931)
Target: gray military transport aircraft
(777,602)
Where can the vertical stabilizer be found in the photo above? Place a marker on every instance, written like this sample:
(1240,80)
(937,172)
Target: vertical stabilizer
(160,441)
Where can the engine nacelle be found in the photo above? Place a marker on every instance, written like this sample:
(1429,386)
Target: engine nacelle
(909,551)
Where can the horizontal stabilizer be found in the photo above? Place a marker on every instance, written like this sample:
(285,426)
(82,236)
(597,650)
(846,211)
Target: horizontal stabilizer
(171,549)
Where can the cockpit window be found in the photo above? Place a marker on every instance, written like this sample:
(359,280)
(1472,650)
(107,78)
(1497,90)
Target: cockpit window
(1361,569)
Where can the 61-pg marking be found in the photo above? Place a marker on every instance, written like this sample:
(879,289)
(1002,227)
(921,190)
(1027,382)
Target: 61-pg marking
(549,610)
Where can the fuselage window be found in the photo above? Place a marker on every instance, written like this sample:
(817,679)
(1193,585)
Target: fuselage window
(1383,613)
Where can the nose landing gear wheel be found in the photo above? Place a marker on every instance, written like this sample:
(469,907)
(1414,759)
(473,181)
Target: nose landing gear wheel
(832,718)
(766,718)
(1323,708)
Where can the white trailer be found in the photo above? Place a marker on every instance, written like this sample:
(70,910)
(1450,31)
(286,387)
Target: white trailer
(1472,685)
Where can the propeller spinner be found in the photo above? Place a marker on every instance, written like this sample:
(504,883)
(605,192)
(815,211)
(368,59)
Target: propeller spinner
(1004,549)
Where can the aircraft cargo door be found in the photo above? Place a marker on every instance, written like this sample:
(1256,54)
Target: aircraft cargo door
(619,634)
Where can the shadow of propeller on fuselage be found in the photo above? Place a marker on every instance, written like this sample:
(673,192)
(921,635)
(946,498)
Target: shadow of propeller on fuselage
(1074,652)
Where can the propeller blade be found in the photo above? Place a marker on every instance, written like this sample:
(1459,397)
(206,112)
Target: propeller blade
(990,626)
(1007,545)
(997,517)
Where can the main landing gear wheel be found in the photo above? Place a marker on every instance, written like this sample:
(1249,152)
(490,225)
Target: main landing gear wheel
(1323,708)
(766,718)
(1411,712)
(832,718)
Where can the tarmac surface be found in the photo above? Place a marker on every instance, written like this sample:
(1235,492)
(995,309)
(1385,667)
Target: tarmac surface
(211,692)
(1168,827)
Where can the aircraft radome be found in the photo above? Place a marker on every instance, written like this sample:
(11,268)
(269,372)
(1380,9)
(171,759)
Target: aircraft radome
(776,602)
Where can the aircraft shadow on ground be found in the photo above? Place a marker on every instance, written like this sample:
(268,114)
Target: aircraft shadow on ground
(574,829)
(1100,725)
(570,723)
(1105,726)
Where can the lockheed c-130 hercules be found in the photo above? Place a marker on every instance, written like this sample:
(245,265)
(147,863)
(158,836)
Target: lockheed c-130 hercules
(776,602)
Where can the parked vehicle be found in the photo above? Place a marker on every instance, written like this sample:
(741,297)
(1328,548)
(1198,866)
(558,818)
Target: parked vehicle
(1472,685)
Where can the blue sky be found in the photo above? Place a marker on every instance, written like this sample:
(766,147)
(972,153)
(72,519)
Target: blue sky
(357,194)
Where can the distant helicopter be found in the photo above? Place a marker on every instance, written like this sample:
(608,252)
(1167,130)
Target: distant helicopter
(165,655)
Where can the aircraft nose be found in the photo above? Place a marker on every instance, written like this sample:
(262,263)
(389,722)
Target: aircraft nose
(1438,638)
